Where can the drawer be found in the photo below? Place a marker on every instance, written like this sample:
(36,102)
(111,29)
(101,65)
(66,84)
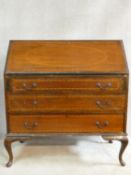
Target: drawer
(66,104)
(65,123)
(68,84)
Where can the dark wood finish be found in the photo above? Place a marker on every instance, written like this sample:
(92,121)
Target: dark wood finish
(66,87)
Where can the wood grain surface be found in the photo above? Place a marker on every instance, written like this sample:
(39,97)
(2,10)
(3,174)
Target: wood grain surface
(66,104)
(65,123)
(66,57)
(56,84)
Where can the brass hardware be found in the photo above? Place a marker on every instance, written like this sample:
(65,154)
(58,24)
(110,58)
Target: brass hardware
(29,125)
(34,85)
(24,85)
(35,102)
(104,85)
(102,125)
(103,104)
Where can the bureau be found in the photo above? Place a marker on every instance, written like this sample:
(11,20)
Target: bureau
(66,87)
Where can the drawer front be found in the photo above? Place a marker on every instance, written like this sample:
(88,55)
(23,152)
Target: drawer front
(68,84)
(65,123)
(66,104)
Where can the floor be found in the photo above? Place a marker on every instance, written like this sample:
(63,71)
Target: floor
(66,155)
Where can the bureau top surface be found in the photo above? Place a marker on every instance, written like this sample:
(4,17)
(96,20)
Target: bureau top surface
(86,57)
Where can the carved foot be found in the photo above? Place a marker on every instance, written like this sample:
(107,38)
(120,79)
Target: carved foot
(7,143)
(124,143)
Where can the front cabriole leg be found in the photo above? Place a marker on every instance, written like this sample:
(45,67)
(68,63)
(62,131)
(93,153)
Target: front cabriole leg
(124,143)
(7,143)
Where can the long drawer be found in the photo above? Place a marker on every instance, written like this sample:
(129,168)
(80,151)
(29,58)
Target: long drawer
(65,123)
(95,84)
(66,104)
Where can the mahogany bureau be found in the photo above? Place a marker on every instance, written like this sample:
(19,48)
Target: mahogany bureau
(66,87)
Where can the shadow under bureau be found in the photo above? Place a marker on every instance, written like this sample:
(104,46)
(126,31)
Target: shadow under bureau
(66,87)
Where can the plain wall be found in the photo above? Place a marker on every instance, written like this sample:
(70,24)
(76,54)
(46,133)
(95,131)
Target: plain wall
(62,19)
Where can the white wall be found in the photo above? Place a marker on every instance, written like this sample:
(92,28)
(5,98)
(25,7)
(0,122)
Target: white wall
(62,19)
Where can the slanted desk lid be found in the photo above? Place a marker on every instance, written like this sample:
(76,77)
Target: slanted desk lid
(66,57)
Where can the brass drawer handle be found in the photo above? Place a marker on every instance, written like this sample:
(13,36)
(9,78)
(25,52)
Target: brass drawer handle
(25,86)
(103,104)
(35,102)
(102,125)
(104,85)
(30,125)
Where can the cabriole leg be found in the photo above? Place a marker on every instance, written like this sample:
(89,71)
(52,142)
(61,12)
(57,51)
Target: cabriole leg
(124,143)
(8,146)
